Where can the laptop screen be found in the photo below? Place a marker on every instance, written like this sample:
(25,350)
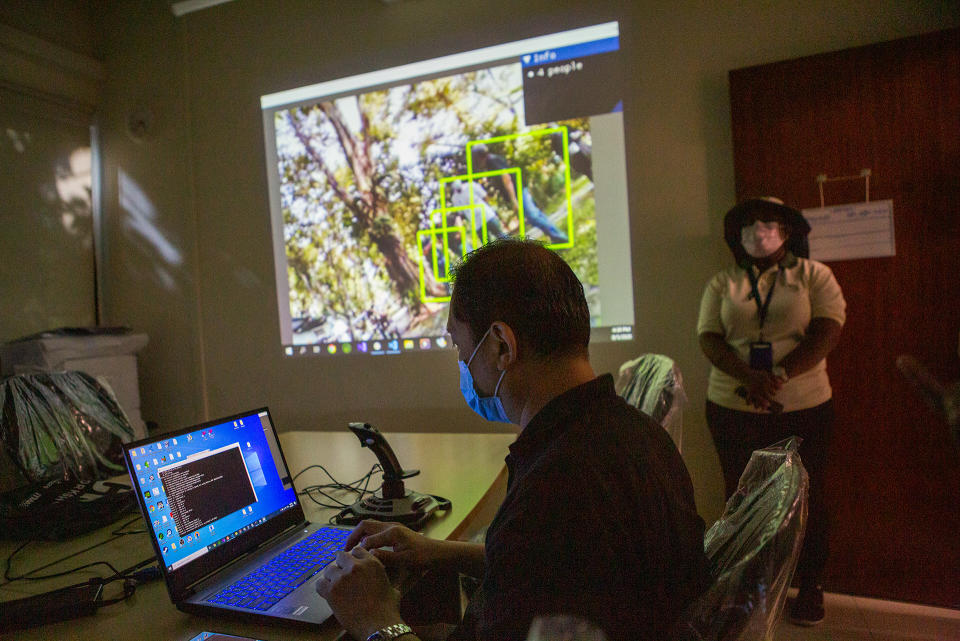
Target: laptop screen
(204,487)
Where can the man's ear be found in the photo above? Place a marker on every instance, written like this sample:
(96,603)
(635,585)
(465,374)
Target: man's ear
(509,350)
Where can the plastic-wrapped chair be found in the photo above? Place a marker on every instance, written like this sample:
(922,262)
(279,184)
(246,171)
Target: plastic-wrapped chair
(652,383)
(753,550)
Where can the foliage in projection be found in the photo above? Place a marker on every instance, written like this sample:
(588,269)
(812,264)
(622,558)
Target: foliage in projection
(360,176)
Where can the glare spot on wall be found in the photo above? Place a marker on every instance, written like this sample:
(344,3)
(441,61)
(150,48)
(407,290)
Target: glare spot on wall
(72,190)
(142,220)
(19,139)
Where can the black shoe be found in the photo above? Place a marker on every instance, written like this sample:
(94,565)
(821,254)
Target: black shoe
(807,608)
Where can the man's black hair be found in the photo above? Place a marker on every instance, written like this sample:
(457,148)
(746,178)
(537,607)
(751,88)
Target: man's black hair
(528,287)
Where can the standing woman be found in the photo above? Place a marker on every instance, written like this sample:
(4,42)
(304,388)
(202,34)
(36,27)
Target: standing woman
(767,324)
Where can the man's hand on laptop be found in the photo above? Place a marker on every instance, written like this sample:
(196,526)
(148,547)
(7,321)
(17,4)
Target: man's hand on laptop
(357,589)
(396,545)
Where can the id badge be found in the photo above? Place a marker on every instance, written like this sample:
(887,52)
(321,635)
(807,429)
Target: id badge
(761,356)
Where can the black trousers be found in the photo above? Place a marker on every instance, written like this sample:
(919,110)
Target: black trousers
(737,434)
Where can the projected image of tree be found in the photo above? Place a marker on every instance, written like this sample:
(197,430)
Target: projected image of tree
(367,180)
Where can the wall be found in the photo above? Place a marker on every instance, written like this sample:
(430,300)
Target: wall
(48,91)
(190,257)
(150,239)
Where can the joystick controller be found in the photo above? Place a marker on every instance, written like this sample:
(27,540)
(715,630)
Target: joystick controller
(392,502)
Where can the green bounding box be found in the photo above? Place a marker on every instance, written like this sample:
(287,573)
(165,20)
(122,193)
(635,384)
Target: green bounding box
(433,247)
(469,178)
(444,212)
(562,129)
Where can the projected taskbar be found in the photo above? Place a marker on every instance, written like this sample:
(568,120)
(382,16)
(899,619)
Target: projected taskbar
(375,347)
(428,343)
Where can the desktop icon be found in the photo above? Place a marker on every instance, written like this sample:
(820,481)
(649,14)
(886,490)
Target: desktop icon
(408,343)
(393,345)
(441,342)
(331,349)
(289,351)
(424,343)
(362,347)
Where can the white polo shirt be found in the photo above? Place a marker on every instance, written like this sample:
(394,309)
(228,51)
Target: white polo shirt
(805,289)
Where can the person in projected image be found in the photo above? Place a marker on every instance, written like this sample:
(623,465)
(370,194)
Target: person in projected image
(766,324)
(485,160)
(579,152)
(460,197)
(599,520)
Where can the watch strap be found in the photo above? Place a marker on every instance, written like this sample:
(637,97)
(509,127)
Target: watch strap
(390,632)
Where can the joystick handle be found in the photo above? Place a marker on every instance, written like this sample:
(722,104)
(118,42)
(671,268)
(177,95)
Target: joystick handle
(371,437)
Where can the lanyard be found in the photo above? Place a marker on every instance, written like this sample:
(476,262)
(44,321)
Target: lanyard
(761,307)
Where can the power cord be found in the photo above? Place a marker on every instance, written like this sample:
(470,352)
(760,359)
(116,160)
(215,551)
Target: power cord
(360,487)
(32,575)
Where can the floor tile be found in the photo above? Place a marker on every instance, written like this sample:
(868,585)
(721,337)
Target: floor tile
(892,620)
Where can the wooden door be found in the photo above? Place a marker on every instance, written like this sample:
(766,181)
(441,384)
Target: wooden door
(893,108)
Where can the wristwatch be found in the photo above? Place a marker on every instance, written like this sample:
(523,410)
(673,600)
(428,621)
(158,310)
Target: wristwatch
(390,632)
(780,373)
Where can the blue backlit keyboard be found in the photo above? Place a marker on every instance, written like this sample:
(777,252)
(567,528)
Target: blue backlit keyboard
(265,586)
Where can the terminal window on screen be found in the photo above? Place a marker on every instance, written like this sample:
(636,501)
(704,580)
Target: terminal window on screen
(202,490)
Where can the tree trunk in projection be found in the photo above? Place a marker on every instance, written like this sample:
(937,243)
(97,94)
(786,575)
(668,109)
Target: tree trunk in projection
(894,471)
(371,208)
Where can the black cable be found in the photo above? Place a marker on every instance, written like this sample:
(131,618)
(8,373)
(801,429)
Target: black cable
(32,576)
(354,487)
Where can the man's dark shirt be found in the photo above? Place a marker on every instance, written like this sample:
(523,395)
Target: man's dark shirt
(599,522)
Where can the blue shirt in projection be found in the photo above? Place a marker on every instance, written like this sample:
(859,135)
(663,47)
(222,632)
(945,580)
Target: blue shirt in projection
(204,487)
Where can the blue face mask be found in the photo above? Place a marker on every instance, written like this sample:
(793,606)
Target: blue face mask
(488,407)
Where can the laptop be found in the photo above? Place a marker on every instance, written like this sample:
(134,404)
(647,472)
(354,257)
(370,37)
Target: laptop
(227,528)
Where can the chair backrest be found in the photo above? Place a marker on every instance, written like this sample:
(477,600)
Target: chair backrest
(652,383)
(753,550)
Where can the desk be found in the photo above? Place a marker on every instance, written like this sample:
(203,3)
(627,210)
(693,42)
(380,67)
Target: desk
(465,468)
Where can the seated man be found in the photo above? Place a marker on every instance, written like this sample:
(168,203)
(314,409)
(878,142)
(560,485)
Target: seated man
(599,520)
